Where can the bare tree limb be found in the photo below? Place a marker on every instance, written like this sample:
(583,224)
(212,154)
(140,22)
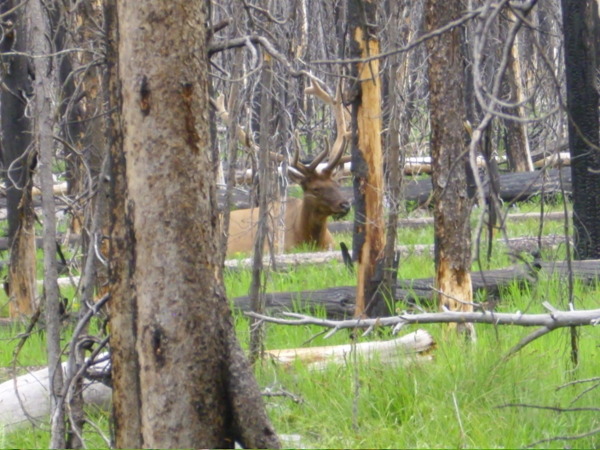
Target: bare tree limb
(551,321)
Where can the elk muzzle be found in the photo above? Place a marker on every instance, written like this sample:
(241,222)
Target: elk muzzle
(342,210)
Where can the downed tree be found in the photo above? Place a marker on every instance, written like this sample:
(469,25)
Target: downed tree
(417,222)
(284,261)
(552,320)
(25,399)
(546,322)
(408,348)
(334,227)
(338,302)
(513,187)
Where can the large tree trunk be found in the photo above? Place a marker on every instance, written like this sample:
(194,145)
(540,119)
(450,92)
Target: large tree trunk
(367,160)
(17,160)
(452,205)
(193,385)
(582,106)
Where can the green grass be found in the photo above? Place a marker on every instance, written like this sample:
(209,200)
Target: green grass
(33,352)
(419,405)
(459,399)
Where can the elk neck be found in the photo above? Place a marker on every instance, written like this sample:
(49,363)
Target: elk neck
(313,224)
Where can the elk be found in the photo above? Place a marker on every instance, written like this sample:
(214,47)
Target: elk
(305,220)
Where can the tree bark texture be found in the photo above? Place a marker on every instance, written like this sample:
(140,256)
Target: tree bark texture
(257,286)
(367,160)
(517,141)
(17,159)
(194,387)
(16,125)
(452,205)
(582,108)
(122,306)
(43,90)
(83,108)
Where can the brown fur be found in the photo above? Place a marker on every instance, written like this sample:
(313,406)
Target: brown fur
(305,219)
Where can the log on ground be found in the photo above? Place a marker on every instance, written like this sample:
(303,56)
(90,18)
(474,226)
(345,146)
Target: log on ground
(285,261)
(30,403)
(405,349)
(338,302)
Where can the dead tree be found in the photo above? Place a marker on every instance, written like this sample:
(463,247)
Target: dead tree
(452,205)
(17,158)
(367,157)
(195,387)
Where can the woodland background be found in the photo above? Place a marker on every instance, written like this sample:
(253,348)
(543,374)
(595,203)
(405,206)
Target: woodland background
(130,132)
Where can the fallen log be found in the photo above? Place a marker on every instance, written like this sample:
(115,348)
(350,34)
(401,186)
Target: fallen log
(513,187)
(287,260)
(416,165)
(417,222)
(415,345)
(550,321)
(338,302)
(25,399)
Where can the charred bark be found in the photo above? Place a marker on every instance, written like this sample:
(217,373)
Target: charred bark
(367,157)
(17,158)
(452,205)
(582,105)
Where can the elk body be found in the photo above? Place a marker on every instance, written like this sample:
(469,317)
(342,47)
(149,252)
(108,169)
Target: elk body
(305,220)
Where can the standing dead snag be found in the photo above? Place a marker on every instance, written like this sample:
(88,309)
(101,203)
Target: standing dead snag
(584,134)
(16,159)
(191,385)
(367,162)
(450,160)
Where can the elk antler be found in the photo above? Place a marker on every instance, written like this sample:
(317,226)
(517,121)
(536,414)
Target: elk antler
(339,113)
(243,137)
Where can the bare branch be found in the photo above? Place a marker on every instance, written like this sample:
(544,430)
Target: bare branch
(558,319)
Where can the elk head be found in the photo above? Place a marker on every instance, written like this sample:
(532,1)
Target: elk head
(323,195)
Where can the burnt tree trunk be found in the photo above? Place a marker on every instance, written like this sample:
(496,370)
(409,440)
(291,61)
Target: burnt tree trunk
(367,160)
(452,205)
(17,159)
(582,106)
(192,385)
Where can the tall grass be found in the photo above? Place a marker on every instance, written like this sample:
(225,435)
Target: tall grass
(460,399)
